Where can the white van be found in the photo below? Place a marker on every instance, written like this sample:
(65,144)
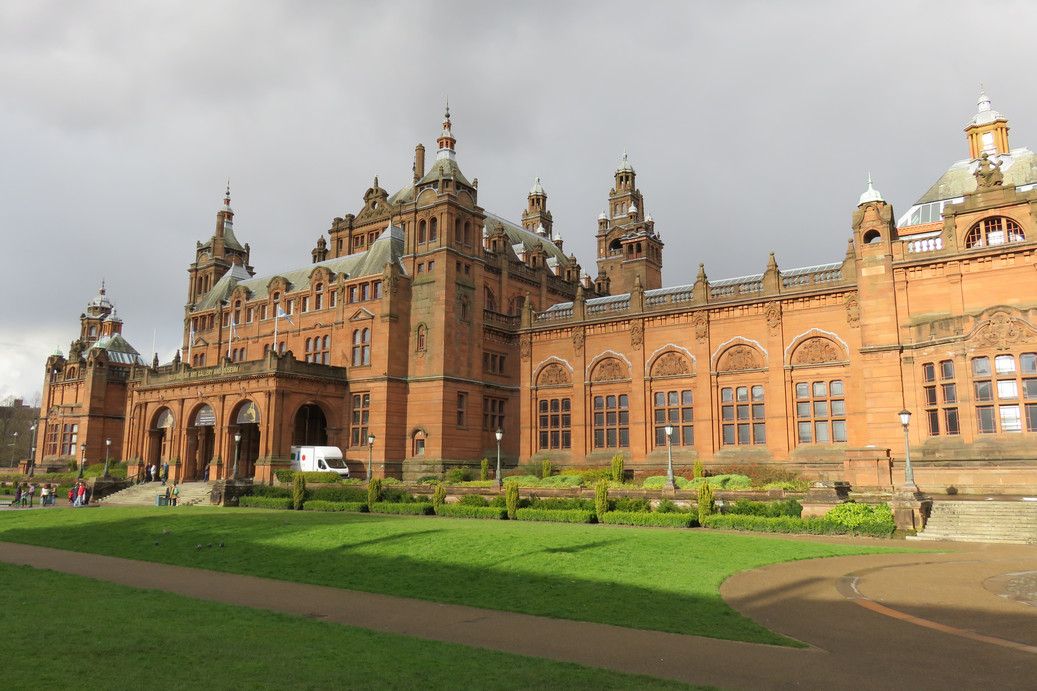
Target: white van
(319,458)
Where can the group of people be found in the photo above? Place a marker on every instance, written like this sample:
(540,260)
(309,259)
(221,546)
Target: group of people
(79,495)
(151,473)
(173,495)
(24,494)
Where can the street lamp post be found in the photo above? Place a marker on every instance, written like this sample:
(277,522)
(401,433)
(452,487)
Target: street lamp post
(669,459)
(237,454)
(107,454)
(909,473)
(370,455)
(500,480)
(32,450)
(13,445)
(82,460)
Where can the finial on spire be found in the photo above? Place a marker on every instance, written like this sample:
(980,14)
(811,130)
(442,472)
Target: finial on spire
(872,195)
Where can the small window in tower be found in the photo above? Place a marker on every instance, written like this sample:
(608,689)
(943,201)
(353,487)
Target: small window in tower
(988,143)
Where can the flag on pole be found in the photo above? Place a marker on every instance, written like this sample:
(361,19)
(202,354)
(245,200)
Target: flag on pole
(190,341)
(234,328)
(282,315)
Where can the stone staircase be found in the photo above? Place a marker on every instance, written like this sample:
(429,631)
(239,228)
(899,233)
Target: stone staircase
(191,494)
(982,521)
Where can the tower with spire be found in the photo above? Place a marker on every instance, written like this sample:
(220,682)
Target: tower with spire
(536,218)
(987,130)
(629,249)
(215,257)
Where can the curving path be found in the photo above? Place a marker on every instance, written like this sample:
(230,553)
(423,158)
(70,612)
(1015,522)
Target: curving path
(962,619)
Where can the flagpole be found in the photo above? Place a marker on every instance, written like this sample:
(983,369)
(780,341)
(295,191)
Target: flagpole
(277,314)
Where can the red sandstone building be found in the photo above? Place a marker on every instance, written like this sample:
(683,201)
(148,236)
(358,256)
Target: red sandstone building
(427,323)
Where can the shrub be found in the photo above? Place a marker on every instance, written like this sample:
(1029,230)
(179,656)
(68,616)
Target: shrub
(390,481)
(790,524)
(630,504)
(531,468)
(707,505)
(439,495)
(458,475)
(321,477)
(618,471)
(546,469)
(374,491)
(952,490)
(699,470)
(658,520)
(265,502)
(428,480)
(525,480)
(853,515)
(511,496)
(556,515)
(667,506)
(760,475)
(268,491)
(560,503)
(335,494)
(404,509)
(462,511)
(298,491)
(351,506)
(472,500)
(601,497)
(396,495)
(484,470)
(773,509)
(561,481)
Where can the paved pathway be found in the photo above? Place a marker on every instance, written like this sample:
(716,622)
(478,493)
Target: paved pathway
(963,619)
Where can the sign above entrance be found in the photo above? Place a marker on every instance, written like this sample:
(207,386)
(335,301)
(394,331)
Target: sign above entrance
(249,414)
(206,417)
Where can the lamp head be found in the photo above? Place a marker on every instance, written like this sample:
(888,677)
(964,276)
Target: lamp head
(237,436)
(370,440)
(499,434)
(107,442)
(669,430)
(905,417)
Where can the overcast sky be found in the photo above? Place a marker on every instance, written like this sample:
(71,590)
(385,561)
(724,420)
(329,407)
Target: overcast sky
(752,126)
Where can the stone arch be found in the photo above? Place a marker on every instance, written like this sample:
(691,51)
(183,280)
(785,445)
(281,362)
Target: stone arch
(610,369)
(554,374)
(245,419)
(669,361)
(310,426)
(739,354)
(816,347)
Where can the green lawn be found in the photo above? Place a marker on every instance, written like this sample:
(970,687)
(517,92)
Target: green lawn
(64,631)
(664,580)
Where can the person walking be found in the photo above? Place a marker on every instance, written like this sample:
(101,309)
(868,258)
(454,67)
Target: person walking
(72,495)
(32,491)
(44,494)
(154,471)
(174,498)
(17,494)
(165,473)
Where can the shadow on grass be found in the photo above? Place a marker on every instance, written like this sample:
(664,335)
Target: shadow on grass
(552,581)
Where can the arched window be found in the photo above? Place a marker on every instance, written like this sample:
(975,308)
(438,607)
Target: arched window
(318,296)
(467,233)
(432,234)
(491,303)
(458,237)
(421,231)
(994,231)
(420,341)
(361,347)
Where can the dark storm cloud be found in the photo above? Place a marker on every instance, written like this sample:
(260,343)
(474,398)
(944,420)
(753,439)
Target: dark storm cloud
(752,126)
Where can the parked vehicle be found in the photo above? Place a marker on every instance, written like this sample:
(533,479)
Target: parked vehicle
(319,458)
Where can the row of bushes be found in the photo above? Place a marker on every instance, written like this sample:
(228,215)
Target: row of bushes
(790,524)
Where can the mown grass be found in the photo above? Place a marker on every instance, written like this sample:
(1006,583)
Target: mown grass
(64,631)
(664,580)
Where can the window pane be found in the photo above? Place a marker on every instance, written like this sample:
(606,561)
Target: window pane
(930,395)
(743,412)
(687,415)
(839,430)
(757,411)
(1028,363)
(599,402)
(624,437)
(727,412)
(984,391)
(757,393)
(759,433)
(839,407)
(836,388)
(660,436)
(820,408)
(1004,364)
(1007,389)
(689,432)
(660,415)
(543,406)
(742,393)
(624,401)
(729,435)
(950,393)
(928,372)
(726,395)
(803,409)
(933,418)
(686,398)
(980,366)
(947,369)
(950,419)
(673,398)
(985,420)
(660,398)
(802,390)
(610,402)
(821,432)
(743,434)
(1029,388)
(1010,418)
(804,432)
(820,389)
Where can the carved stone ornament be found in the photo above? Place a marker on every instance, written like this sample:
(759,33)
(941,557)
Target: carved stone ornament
(816,350)
(553,374)
(1003,331)
(525,346)
(773,317)
(853,311)
(608,370)
(578,336)
(739,357)
(988,174)
(637,335)
(671,365)
(701,328)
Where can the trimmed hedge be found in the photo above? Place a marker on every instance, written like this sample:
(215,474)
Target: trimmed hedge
(351,506)
(269,491)
(402,509)
(557,515)
(656,520)
(265,502)
(789,524)
(337,494)
(773,509)
(319,477)
(462,511)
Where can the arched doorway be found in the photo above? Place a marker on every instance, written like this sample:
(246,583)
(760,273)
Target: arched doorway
(201,442)
(244,421)
(160,436)
(311,427)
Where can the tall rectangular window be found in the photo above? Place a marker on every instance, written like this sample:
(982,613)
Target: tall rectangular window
(462,404)
(554,423)
(1005,392)
(69,437)
(612,421)
(492,413)
(361,418)
(674,408)
(820,412)
(742,415)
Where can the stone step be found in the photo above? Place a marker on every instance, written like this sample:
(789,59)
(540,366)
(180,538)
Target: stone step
(988,521)
(191,494)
